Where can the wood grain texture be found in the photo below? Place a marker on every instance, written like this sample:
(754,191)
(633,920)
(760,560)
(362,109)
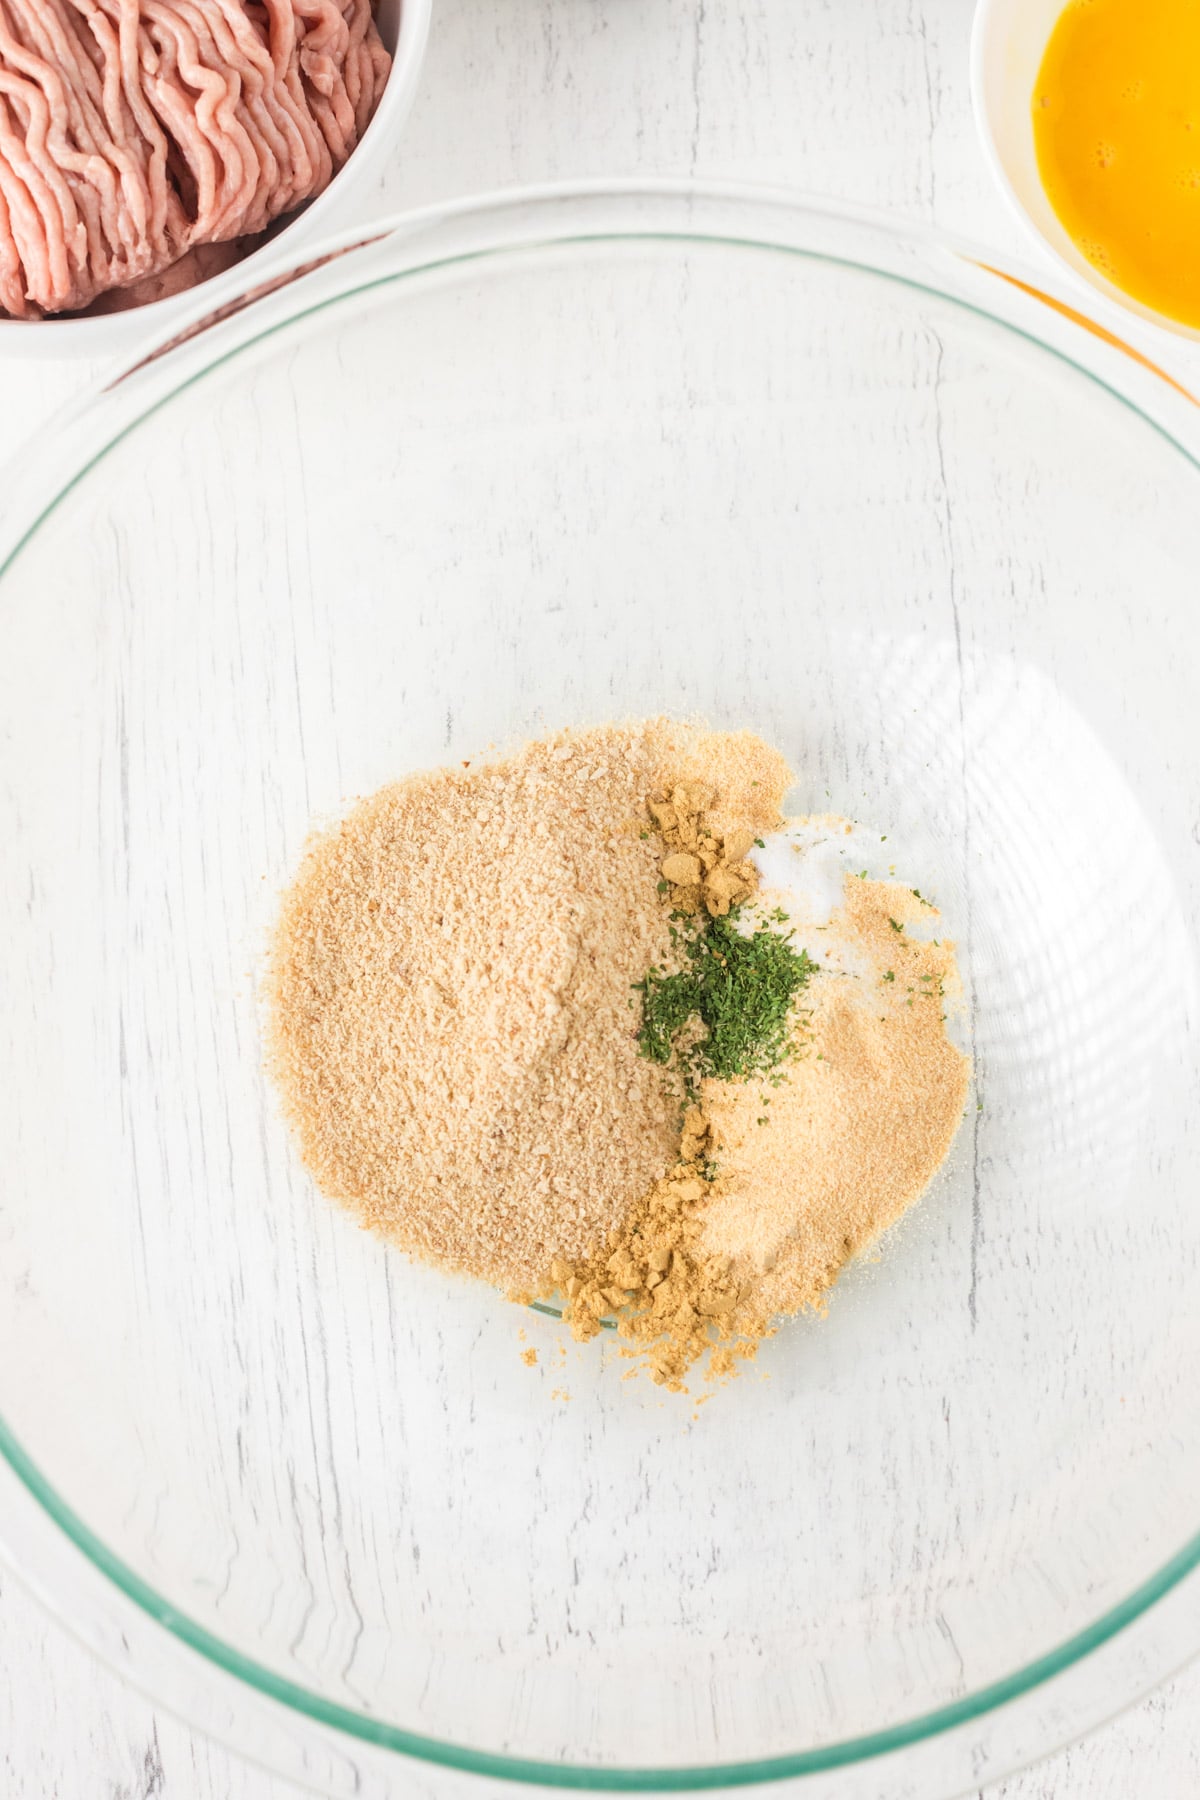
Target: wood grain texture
(863,99)
(69,1730)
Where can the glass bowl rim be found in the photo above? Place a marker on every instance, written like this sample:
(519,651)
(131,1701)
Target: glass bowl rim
(253,323)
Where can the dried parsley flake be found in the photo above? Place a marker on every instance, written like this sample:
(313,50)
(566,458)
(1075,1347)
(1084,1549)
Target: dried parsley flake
(738,987)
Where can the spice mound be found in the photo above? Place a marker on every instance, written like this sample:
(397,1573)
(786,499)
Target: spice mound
(593,1022)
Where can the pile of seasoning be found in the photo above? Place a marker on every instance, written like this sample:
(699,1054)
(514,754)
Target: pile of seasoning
(540,1021)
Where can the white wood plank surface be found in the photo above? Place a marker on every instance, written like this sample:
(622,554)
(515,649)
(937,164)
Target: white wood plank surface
(863,99)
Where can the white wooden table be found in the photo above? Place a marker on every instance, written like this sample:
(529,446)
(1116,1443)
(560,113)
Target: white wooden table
(866,100)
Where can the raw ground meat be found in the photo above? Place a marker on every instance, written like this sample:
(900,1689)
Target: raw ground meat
(138,136)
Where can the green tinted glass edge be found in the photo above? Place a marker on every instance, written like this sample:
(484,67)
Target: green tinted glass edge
(595,1778)
(457,1756)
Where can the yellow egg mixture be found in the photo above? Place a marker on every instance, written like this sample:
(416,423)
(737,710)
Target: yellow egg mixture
(1116,120)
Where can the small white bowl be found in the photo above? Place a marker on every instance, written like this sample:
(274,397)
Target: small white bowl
(404,28)
(1008,42)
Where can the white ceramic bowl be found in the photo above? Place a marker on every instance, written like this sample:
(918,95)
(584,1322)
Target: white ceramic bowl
(1008,42)
(404,28)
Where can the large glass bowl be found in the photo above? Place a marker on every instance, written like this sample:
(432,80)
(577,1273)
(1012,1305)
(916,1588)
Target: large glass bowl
(546,460)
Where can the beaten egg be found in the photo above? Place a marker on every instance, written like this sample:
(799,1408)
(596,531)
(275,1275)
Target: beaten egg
(1116,121)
